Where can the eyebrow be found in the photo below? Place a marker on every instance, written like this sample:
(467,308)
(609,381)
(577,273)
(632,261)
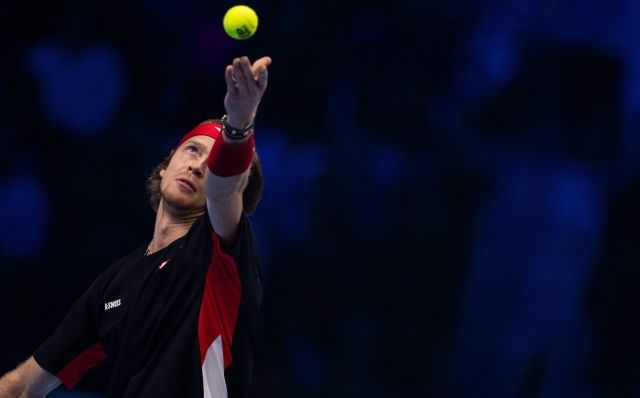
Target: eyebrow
(196,144)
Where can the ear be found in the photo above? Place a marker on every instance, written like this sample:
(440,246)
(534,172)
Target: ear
(162,172)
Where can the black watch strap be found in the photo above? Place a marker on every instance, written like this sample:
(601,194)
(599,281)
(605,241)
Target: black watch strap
(235,133)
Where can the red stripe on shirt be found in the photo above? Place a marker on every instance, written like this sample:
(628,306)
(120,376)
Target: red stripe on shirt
(80,365)
(220,303)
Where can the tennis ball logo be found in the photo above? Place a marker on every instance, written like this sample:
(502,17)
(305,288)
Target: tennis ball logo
(240,22)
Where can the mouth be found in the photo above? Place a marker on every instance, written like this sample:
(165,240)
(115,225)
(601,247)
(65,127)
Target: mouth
(187,184)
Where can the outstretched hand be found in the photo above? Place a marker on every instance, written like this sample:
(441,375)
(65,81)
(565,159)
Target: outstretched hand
(246,84)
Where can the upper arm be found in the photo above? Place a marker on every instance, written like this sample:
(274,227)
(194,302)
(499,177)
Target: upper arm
(224,204)
(30,380)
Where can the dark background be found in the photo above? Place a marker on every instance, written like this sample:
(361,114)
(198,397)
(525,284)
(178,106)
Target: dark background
(452,193)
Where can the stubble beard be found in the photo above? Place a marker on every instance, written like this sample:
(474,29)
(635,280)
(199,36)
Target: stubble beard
(178,208)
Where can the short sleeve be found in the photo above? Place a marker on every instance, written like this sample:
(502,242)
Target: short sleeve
(74,348)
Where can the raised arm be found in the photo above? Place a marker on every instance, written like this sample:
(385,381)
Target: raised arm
(28,380)
(228,172)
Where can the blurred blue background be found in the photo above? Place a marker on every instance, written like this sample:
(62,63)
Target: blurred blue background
(452,193)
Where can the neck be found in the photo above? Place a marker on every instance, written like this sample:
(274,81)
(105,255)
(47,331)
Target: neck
(171,225)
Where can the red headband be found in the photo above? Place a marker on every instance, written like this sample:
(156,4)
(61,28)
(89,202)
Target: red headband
(209,129)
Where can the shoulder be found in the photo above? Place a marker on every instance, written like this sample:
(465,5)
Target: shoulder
(202,226)
(124,261)
(198,240)
(104,279)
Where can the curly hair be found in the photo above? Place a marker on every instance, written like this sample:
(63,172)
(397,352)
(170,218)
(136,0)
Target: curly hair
(250,196)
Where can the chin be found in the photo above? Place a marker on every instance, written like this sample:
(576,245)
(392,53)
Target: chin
(180,203)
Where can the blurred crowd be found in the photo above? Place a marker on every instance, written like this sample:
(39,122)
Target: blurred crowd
(451,195)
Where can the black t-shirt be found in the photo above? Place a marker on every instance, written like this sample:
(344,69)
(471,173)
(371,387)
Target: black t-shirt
(176,323)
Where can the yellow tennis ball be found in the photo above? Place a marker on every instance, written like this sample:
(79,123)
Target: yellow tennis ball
(240,22)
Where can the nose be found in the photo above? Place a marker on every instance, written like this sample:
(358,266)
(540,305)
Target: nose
(197,168)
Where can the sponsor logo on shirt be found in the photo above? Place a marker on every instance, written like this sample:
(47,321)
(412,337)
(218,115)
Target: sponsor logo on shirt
(164,263)
(112,304)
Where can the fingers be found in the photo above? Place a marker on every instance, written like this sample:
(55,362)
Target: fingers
(246,83)
(240,65)
(247,79)
(260,72)
(231,83)
(264,61)
(248,74)
(263,76)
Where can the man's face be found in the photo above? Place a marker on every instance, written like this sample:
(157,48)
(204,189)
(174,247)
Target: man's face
(182,184)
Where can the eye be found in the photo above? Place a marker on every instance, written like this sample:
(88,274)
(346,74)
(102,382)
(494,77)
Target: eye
(191,151)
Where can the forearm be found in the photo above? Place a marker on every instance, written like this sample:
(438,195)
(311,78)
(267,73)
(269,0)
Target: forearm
(229,163)
(13,386)
(29,380)
(232,154)
(224,201)
(227,176)
(224,189)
